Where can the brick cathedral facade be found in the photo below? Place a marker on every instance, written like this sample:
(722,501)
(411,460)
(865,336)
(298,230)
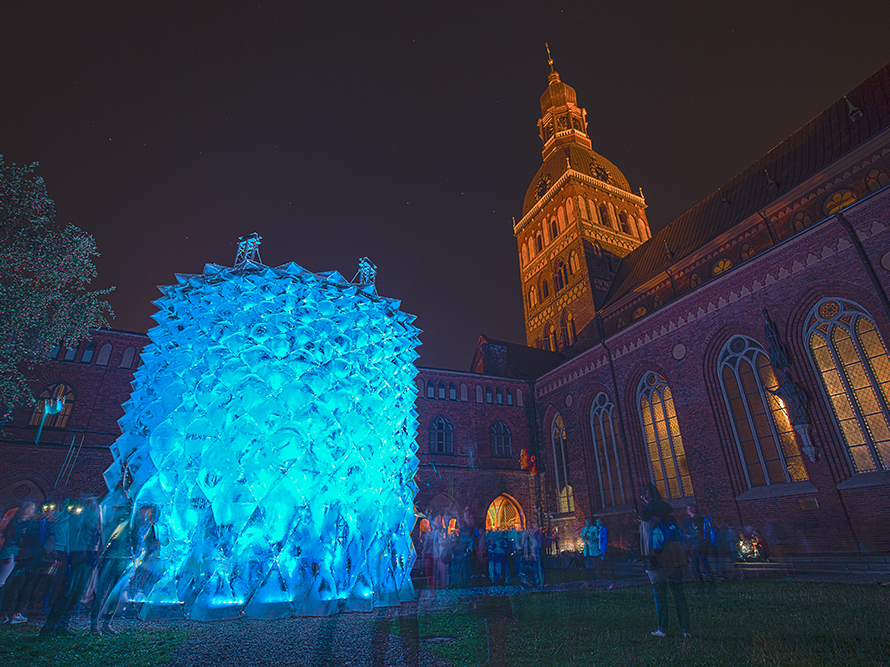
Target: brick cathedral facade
(737,358)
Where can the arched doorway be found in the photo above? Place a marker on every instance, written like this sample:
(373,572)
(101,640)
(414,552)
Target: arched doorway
(504,513)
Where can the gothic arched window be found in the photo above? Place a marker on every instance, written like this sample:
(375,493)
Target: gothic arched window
(565,498)
(625,226)
(667,458)
(53,395)
(604,216)
(539,243)
(545,290)
(127,359)
(442,390)
(104,354)
(441,436)
(760,420)
(501,440)
(452,392)
(430,389)
(554,229)
(608,454)
(574,264)
(568,329)
(532,296)
(851,359)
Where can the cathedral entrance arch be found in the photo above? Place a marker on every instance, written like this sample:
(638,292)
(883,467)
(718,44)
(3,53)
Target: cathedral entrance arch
(504,513)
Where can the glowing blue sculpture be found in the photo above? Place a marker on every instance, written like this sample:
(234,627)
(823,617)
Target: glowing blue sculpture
(272,427)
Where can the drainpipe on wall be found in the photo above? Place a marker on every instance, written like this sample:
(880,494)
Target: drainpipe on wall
(869,269)
(537,454)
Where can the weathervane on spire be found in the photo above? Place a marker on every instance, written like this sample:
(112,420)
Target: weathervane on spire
(549,57)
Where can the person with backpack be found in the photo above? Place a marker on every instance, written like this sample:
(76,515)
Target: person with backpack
(662,545)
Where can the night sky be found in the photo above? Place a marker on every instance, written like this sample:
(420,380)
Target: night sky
(407,134)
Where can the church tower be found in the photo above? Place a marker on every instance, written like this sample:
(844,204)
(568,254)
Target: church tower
(578,219)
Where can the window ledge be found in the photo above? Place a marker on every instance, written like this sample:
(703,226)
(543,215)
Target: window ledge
(777,491)
(565,516)
(866,479)
(614,509)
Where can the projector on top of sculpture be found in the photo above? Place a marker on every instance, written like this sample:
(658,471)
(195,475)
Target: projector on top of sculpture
(272,427)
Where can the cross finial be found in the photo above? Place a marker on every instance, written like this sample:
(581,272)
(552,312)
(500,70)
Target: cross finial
(549,57)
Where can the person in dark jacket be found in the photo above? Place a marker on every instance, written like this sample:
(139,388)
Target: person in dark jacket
(661,544)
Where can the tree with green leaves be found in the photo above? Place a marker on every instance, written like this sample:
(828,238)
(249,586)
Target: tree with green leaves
(45,270)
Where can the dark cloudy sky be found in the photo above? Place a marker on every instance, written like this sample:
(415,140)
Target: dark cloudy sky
(401,131)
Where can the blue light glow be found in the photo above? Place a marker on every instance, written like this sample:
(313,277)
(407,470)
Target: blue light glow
(272,426)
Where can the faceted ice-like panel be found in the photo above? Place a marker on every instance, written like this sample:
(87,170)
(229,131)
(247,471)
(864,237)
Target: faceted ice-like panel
(271,429)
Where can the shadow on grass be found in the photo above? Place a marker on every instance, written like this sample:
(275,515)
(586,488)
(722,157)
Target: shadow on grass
(744,623)
(134,647)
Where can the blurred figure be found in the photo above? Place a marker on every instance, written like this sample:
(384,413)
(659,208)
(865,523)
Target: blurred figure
(146,548)
(116,556)
(662,545)
(606,561)
(699,534)
(441,553)
(590,536)
(16,554)
(84,535)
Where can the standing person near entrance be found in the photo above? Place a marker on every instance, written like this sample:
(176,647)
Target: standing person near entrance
(698,535)
(662,545)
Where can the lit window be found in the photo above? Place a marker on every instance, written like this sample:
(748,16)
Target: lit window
(639,312)
(565,497)
(532,296)
(760,422)
(501,440)
(441,436)
(608,454)
(667,458)
(851,359)
(838,201)
(52,396)
(721,266)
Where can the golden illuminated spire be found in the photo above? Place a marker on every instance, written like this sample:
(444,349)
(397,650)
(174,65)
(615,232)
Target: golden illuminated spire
(549,57)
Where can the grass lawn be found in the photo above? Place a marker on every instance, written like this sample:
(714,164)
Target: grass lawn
(133,647)
(744,623)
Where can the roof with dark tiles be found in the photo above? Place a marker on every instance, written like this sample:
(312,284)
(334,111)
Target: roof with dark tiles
(516,361)
(827,137)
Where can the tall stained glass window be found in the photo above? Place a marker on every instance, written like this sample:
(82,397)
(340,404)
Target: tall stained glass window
(760,422)
(667,458)
(565,500)
(611,467)
(851,359)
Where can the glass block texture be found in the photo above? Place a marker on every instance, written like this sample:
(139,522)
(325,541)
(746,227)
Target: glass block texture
(272,430)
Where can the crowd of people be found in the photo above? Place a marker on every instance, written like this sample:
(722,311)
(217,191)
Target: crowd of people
(73,555)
